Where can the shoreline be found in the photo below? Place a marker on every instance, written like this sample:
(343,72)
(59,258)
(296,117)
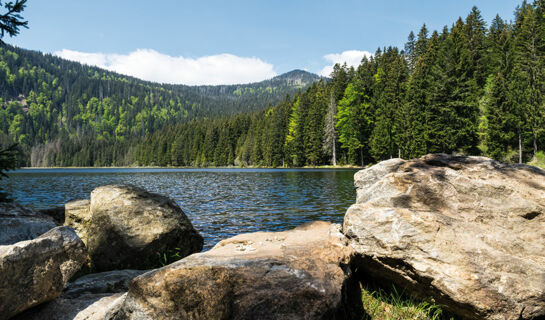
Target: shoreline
(211,167)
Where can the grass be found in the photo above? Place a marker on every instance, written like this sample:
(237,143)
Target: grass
(538,160)
(382,305)
(167,257)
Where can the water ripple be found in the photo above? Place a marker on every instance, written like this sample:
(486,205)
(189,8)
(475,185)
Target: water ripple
(219,202)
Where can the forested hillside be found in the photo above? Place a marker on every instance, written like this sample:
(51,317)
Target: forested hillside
(62,113)
(468,88)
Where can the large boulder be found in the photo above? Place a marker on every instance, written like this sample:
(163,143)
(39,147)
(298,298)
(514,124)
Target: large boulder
(78,216)
(297,274)
(128,227)
(467,231)
(55,213)
(36,271)
(18,223)
(91,297)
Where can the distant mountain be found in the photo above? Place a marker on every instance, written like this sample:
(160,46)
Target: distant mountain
(46,100)
(287,82)
(298,77)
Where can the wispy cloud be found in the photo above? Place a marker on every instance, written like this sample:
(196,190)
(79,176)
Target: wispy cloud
(351,57)
(148,64)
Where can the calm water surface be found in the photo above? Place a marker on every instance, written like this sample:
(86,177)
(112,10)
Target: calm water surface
(219,202)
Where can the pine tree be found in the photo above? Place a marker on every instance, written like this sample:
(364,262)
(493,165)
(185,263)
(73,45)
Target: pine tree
(502,120)
(528,77)
(11,20)
(414,133)
(314,123)
(390,83)
(421,44)
(330,134)
(410,52)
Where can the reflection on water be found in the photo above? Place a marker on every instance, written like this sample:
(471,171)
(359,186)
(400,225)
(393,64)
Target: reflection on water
(219,202)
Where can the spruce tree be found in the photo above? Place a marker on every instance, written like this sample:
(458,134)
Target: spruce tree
(502,120)
(410,51)
(528,77)
(330,134)
(389,92)
(414,134)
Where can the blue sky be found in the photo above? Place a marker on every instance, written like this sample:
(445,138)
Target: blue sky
(231,41)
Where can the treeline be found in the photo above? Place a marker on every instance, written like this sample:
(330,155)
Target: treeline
(468,89)
(62,113)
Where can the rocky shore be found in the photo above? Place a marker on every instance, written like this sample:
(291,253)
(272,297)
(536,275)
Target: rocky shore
(465,232)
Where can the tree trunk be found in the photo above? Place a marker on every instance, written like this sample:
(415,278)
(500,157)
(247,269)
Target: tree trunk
(535,142)
(334,160)
(520,148)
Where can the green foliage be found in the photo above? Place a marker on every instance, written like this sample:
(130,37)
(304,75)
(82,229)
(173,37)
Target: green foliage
(60,111)
(348,110)
(10,19)
(466,89)
(390,91)
(8,161)
(382,305)
(538,160)
(168,256)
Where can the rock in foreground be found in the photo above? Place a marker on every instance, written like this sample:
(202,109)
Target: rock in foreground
(20,224)
(468,231)
(36,271)
(297,274)
(128,227)
(91,297)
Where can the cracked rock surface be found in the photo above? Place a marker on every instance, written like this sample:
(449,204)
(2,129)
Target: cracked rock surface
(296,274)
(36,271)
(91,297)
(467,231)
(126,227)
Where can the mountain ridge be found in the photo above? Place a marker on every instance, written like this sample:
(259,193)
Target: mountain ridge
(47,101)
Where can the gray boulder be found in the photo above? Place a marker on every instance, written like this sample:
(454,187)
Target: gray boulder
(78,216)
(92,297)
(36,271)
(296,274)
(19,224)
(128,227)
(467,231)
(56,213)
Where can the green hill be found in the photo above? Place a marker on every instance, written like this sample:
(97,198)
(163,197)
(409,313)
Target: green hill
(49,103)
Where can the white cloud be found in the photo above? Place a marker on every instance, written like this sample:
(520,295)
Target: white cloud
(148,64)
(351,57)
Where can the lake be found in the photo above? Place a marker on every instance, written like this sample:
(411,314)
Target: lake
(220,202)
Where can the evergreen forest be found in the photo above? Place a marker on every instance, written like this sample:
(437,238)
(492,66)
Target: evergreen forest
(62,113)
(472,88)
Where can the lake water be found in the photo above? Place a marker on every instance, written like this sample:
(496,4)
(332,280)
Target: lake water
(220,202)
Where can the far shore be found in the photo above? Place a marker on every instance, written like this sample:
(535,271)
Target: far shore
(211,167)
